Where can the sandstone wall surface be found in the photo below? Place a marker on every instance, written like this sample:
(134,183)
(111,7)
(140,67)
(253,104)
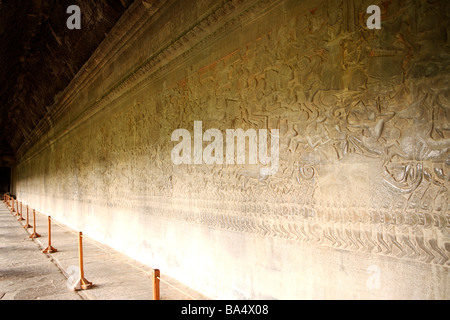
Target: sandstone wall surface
(359,207)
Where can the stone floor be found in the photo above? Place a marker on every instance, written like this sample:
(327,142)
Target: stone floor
(28,274)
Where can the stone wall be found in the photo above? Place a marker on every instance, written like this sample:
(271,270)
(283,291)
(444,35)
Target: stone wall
(359,207)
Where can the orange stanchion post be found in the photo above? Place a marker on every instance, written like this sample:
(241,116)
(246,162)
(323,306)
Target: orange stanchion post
(34,234)
(49,248)
(82,284)
(20,213)
(12,208)
(27,224)
(156,276)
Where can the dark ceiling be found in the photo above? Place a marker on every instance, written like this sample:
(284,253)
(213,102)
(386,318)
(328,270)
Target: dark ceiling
(39,56)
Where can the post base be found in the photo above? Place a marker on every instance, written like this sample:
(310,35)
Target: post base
(49,249)
(27,226)
(82,284)
(35,235)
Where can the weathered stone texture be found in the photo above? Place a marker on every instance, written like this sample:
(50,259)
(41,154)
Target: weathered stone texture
(364,172)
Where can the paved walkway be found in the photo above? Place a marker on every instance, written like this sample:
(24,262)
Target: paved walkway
(28,274)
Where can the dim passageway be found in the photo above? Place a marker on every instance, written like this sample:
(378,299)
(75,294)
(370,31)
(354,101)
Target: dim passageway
(28,274)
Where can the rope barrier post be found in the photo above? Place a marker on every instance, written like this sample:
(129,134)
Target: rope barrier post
(82,284)
(34,234)
(49,248)
(27,224)
(16,208)
(12,209)
(20,215)
(156,276)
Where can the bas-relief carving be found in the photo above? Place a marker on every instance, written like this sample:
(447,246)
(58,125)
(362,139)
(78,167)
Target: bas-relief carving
(364,139)
(396,132)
